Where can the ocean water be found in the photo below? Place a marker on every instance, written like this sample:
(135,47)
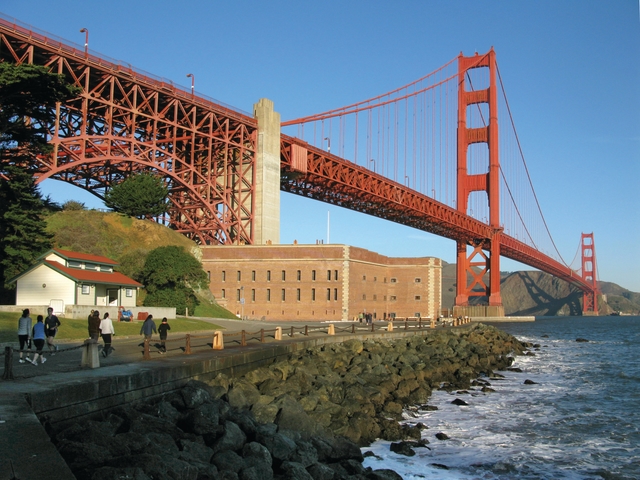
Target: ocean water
(580,420)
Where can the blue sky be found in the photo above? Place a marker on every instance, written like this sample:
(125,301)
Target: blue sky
(571,70)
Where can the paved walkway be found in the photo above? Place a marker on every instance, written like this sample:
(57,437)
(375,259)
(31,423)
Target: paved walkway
(131,349)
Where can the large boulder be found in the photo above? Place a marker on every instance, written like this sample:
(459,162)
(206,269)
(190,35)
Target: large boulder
(228,461)
(280,446)
(292,416)
(243,394)
(232,439)
(195,393)
(295,470)
(256,454)
(200,420)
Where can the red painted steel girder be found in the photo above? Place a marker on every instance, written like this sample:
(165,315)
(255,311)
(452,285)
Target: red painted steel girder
(334,180)
(125,122)
(331,179)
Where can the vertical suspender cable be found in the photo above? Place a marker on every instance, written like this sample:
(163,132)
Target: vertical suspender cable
(355,153)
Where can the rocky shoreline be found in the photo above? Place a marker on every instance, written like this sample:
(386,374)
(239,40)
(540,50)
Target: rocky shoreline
(304,417)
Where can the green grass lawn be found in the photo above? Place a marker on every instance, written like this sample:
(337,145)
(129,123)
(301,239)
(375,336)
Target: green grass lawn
(76,329)
(208,310)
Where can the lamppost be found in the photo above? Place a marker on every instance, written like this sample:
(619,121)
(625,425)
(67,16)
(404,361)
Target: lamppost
(406,180)
(86,41)
(374,164)
(328,144)
(190,75)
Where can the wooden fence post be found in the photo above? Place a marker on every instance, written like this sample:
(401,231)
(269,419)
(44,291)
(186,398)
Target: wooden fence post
(262,335)
(353,328)
(331,330)
(278,335)
(187,347)
(218,340)
(306,330)
(390,327)
(291,331)
(147,353)
(243,339)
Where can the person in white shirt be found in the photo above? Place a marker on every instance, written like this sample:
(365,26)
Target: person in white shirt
(106,329)
(24,333)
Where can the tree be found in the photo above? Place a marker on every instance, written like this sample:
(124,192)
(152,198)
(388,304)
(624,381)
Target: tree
(23,234)
(132,263)
(139,196)
(170,275)
(73,206)
(28,96)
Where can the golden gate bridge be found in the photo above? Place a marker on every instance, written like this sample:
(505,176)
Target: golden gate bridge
(430,155)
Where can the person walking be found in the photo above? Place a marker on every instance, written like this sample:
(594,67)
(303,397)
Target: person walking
(39,336)
(24,333)
(51,324)
(94,325)
(163,331)
(106,329)
(148,328)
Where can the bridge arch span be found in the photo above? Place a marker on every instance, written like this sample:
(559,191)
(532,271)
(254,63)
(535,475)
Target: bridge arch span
(197,207)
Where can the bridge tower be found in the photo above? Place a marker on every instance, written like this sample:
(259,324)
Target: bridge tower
(266,213)
(589,298)
(480,256)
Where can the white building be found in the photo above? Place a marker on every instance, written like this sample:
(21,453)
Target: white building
(64,278)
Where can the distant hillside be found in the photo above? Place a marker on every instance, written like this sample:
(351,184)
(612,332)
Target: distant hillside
(540,294)
(620,299)
(448,284)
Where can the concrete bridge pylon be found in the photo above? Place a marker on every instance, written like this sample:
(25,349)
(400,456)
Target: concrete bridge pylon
(267,175)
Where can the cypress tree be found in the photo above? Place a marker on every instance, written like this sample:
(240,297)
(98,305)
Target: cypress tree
(139,195)
(28,96)
(23,234)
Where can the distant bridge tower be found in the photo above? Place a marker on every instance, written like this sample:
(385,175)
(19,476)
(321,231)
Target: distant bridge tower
(589,298)
(484,253)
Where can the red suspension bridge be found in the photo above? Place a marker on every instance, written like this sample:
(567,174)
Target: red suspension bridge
(430,155)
